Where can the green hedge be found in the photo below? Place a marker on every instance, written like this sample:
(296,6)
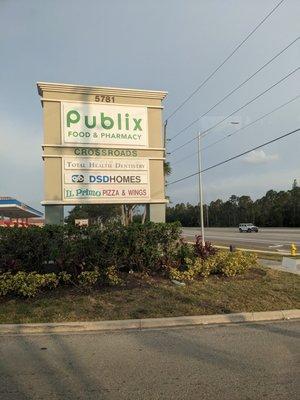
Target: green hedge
(35,259)
(74,249)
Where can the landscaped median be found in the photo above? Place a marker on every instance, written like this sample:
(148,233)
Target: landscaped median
(64,274)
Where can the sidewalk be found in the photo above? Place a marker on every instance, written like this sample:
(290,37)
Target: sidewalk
(277,265)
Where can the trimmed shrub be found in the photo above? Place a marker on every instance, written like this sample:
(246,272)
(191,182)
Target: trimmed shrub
(88,278)
(213,262)
(203,251)
(192,269)
(222,263)
(64,277)
(111,276)
(230,263)
(236,263)
(185,251)
(26,284)
(6,283)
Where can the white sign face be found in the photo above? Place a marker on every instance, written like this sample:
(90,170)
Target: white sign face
(104,124)
(107,177)
(107,164)
(106,194)
(105,180)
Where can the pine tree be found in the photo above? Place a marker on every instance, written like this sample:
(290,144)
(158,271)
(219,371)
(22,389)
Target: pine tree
(295,184)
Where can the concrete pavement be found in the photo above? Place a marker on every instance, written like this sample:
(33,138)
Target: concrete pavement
(278,266)
(249,361)
(271,239)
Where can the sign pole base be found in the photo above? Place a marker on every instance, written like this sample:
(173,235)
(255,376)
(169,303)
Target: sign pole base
(157,212)
(54,215)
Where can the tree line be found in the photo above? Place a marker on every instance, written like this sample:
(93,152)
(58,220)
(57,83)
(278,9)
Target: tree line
(275,208)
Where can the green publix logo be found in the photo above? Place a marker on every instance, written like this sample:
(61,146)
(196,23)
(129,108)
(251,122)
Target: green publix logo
(106,129)
(105,122)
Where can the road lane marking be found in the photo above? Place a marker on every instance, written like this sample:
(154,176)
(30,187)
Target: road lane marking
(246,239)
(249,240)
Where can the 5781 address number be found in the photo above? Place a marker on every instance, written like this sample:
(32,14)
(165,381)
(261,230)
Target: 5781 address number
(105,99)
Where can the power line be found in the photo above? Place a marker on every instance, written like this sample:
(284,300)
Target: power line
(236,156)
(238,130)
(226,59)
(204,133)
(236,88)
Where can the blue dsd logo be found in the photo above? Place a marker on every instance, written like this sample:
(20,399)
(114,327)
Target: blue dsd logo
(77,178)
(122,179)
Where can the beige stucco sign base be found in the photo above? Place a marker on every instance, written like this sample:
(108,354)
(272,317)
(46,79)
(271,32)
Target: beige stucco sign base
(102,146)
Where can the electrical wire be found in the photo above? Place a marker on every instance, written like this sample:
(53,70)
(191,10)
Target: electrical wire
(226,59)
(237,131)
(204,133)
(235,157)
(236,88)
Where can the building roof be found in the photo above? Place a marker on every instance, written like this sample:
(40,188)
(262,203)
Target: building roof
(14,208)
(112,91)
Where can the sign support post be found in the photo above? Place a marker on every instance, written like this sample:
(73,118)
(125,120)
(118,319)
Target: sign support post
(54,215)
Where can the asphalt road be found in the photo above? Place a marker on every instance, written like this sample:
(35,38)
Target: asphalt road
(272,239)
(248,361)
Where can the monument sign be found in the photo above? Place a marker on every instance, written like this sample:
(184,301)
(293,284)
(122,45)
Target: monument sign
(102,146)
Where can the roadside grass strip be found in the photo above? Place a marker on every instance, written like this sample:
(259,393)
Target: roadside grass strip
(140,296)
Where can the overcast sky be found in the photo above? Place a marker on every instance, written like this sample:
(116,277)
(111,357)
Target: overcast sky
(162,45)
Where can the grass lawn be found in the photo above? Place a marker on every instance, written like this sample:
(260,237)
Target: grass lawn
(260,289)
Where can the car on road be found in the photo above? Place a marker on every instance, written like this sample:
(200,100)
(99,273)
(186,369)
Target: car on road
(248,228)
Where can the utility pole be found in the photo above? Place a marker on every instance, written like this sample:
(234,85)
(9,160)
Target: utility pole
(200,189)
(207,220)
(200,185)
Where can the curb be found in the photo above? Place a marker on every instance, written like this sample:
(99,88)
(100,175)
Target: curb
(278,253)
(149,323)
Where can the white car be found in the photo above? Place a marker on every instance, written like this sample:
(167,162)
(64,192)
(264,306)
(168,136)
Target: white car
(248,228)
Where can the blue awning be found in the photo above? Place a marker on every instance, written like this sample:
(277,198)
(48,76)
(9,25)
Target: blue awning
(13,208)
